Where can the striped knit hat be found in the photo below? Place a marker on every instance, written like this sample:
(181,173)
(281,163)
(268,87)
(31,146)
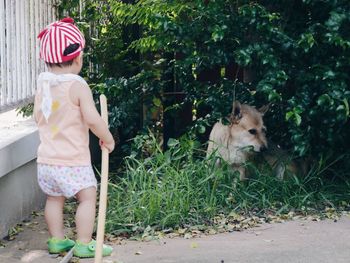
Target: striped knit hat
(57,37)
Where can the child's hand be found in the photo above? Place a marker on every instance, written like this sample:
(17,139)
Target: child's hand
(109,146)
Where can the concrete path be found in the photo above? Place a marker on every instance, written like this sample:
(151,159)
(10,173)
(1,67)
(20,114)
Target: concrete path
(297,241)
(294,241)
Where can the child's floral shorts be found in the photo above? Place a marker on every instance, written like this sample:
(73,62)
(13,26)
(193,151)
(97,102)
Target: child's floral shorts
(67,181)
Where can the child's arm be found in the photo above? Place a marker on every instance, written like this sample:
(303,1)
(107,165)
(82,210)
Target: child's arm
(81,95)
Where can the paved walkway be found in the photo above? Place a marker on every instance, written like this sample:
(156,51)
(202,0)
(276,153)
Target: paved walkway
(294,241)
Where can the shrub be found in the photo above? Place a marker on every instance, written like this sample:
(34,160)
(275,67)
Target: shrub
(293,54)
(294,51)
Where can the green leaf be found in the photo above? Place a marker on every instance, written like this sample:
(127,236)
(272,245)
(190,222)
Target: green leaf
(297,119)
(201,129)
(289,114)
(328,75)
(157,102)
(323,99)
(294,115)
(173,142)
(306,41)
(346,107)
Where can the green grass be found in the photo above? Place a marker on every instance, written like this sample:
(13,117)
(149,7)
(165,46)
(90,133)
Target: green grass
(174,189)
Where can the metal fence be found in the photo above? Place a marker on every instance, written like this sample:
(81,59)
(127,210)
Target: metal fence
(20,23)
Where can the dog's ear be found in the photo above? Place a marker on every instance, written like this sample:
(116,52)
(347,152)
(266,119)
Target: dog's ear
(264,109)
(236,113)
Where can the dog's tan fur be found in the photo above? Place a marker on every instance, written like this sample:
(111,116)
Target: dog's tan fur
(234,142)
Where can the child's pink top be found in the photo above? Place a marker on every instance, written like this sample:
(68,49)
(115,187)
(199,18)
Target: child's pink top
(64,137)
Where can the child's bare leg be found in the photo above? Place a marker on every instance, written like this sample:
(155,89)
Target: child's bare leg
(85,215)
(54,216)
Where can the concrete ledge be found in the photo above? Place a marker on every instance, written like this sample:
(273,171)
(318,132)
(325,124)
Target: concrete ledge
(19,196)
(19,141)
(19,190)
(19,152)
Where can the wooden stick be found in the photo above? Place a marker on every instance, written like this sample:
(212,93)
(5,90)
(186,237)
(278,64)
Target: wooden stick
(103,189)
(68,256)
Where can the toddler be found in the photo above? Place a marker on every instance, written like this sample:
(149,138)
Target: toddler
(65,111)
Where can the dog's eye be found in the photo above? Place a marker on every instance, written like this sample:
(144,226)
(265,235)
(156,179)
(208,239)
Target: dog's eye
(252,131)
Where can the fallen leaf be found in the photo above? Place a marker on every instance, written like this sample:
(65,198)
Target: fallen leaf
(212,231)
(172,235)
(194,245)
(268,240)
(187,236)
(182,230)
(149,238)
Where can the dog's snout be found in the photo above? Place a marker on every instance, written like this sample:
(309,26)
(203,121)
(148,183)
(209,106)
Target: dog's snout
(263,148)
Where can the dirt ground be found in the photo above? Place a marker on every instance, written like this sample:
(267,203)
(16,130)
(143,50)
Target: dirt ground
(293,241)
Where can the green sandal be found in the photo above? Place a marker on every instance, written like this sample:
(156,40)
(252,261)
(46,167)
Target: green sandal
(82,250)
(57,246)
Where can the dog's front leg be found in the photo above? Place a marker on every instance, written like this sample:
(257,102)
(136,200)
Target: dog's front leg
(242,175)
(241,170)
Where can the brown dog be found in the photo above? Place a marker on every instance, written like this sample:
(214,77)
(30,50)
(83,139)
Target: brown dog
(234,142)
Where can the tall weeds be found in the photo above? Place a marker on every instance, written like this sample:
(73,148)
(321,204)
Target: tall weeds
(181,187)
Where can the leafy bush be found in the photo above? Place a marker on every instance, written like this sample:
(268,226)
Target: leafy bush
(293,53)
(106,40)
